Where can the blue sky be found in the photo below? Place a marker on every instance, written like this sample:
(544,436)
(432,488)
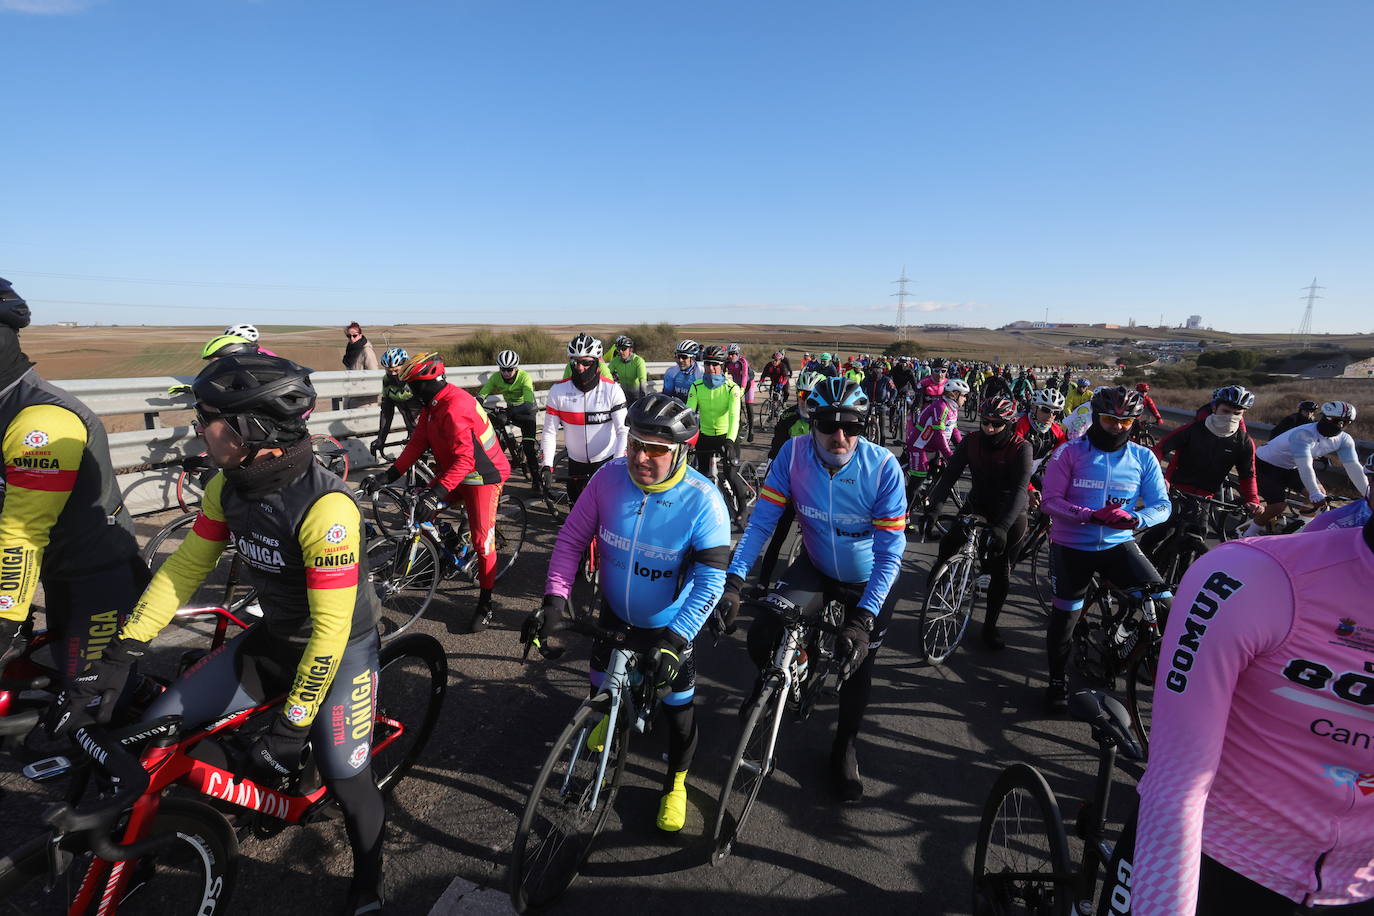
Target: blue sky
(283,161)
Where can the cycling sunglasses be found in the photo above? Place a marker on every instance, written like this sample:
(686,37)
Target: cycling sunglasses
(851,428)
(992,422)
(652,449)
(1120,421)
(584,363)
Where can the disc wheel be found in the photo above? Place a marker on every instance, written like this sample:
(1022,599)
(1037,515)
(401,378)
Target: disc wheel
(947,608)
(750,766)
(1021,860)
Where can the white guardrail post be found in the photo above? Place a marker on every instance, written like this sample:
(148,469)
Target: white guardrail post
(146,459)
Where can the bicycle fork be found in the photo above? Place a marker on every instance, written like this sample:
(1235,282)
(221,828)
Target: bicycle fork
(616,682)
(782,669)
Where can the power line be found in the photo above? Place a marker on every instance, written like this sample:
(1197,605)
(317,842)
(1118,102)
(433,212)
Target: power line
(201,308)
(1305,329)
(901,295)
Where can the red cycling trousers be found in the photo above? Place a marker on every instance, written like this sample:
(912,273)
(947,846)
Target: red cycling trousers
(480,502)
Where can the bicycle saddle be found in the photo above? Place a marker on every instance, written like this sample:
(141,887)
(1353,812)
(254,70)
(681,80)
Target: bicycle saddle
(1109,720)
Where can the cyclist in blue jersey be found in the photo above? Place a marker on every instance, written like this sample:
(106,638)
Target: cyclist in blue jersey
(677,380)
(850,499)
(657,523)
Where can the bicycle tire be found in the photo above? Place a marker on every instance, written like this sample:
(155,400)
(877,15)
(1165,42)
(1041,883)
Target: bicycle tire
(405,574)
(1140,683)
(331,454)
(189,490)
(390,512)
(1042,582)
(512,522)
(412,678)
(196,874)
(535,885)
(947,608)
(215,589)
(748,770)
(1040,881)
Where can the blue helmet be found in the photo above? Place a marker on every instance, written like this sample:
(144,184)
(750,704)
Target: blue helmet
(394,357)
(838,399)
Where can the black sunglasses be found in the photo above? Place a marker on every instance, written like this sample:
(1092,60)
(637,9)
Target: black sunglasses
(991,423)
(851,428)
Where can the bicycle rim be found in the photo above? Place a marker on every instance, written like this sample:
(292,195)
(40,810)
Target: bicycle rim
(1021,860)
(559,826)
(405,573)
(411,684)
(331,455)
(511,520)
(1041,582)
(389,511)
(946,611)
(750,766)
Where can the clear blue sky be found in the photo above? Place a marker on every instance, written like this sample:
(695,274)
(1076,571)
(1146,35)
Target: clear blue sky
(310,162)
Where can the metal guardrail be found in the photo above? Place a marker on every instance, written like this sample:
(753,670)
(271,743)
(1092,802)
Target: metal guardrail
(147,457)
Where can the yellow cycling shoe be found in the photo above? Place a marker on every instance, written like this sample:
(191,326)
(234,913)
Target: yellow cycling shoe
(672,809)
(596,741)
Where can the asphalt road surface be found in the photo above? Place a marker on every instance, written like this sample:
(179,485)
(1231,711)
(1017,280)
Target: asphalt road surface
(932,745)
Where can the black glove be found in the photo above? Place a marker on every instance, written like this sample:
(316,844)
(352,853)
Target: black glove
(996,541)
(12,645)
(667,656)
(276,754)
(728,605)
(546,479)
(547,621)
(377,446)
(91,695)
(431,504)
(852,644)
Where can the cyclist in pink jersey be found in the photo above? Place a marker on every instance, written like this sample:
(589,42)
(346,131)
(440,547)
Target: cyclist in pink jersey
(1259,794)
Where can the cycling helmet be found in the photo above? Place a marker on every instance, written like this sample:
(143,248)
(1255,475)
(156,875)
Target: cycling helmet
(777,354)
(1117,402)
(584,346)
(14,311)
(507,359)
(826,357)
(1083,383)
(807,379)
(1234,395)
(715,353)
(733,349)
(227,345)
(939,362)
(425,367)
(1142,387)
(1049,398)
(265,398)
(394,357)
(246,331)
(663,416)
(998,407)
(687,347)
(494,402)
(1307,405)
(624,340)
(838,399)
(956,386)
(1338,410)
(1369,463)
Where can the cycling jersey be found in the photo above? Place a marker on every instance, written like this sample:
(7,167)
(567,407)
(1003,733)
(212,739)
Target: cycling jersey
(853,522)
(519,390)
(1043,441)
(1001,478)
(678,383)
(903,377)
(455,428)
(936,430)
(789,424)
(1292,421)
(1081,478)
(879,388)
(1297,447)
(647,540)
(1260,751)
(1150,408)
(302,549)
(1352,515)
(632,374)
(718,407)
(743,375)
(593,421)
(62,514)
(1075,397)
(1202,460)
(779,373)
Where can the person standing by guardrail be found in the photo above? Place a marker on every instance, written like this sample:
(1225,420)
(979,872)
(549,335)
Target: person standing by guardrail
(358,354)
(63,523)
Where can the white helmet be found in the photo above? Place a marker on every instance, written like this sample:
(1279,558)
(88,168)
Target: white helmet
(507,359)
(246,331)
(584,346)
(687,347)
(956,386)
(1338,410)
(1049,398)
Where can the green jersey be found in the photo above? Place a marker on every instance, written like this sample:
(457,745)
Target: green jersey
(519,390)
(717,407)
(630,373)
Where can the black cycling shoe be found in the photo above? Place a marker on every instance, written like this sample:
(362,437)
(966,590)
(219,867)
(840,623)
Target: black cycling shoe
(483,612)
(1057,698)
(844,770)
(992,637)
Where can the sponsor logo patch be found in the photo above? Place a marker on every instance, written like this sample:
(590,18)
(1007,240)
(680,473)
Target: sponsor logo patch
(6,602)
(358,757)
(336,534)
(296,713)
(36,439)
(1344,776)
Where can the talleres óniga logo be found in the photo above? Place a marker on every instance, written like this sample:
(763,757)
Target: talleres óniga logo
(36,439)
(6,602)
(296,714)
(336,534)
(1345,627)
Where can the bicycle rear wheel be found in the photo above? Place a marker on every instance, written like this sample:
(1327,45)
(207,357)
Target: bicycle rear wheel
(223,587)
(411,684)
(1041,582)
(947,608)
(559,825)
(511,521)
(331,454)
(1021,860)
(405,573)
(750,766)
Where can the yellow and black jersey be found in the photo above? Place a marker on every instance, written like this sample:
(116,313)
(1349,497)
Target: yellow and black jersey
(303,549)
(61,513)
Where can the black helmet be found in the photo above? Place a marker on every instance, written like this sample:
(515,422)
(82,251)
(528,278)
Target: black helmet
(1307,405)
(997,407)
(1118,402)
(14,311)
(624,340)
(266,398)
(715,353)
(939,362)
(838,398)
(663,416)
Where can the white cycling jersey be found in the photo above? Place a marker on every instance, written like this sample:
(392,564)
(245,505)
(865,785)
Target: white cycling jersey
(1297,447)
(593,421)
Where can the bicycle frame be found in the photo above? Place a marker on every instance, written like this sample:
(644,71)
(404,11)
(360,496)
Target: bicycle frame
(619,683)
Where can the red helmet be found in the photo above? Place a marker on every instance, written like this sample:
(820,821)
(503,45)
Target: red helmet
(421,368)
(997,407)
(1142,387)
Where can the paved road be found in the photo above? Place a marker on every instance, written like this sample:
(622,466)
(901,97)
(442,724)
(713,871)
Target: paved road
(933,743)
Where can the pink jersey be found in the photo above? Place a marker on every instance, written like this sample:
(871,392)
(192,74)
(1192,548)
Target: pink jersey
(1262,745)
(935,430)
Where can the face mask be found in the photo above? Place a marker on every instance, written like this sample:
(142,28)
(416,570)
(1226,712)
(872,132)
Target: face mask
(1223,425)
(999,438)
(829,458)
(1327,428)
(585,378)
(713,381)
(1108,442)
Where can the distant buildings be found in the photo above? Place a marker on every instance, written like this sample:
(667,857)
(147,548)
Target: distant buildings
(1194,322)
(1362,369)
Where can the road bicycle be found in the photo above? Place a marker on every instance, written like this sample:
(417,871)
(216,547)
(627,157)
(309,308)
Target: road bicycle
(1143,433)
(577,786)
(511,442)
(119,844)
(875,427)
(1184,542)
(1121,638)
(955,586)
(407,565)
(747,473)
(1021,862)
(772,406)
(1034,554)
(196,470)
(935,525)
(797,676)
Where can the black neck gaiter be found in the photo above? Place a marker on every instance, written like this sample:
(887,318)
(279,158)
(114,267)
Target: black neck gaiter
(1106,441)
(256,480)
(13,362)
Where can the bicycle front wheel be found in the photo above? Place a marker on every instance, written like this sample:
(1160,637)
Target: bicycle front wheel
(946,611)
(751,765)
(405,573)
(560,823)
(331,455)
(411,683)
(1021,861)
(511,520)
(390,513)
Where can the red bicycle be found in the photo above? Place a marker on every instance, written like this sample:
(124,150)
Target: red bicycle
(119,845)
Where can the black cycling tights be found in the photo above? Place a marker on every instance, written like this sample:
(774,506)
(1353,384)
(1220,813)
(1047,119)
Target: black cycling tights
(365,821)
(1223,892)
(708,448)
(997,567)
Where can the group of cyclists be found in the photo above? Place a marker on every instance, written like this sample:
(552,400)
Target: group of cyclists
(1244,799)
